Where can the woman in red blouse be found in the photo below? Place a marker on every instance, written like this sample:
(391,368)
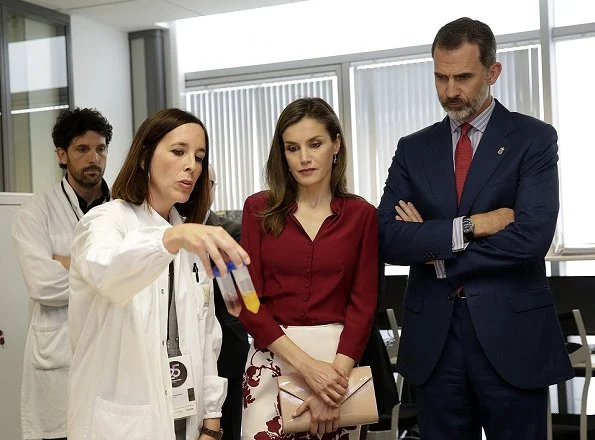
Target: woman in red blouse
(314,262)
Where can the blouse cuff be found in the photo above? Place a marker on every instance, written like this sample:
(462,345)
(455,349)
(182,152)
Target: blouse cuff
(212,415)
(267,338)
(350,352)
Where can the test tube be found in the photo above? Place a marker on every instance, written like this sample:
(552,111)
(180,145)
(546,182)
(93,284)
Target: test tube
(228,291)
(244,282)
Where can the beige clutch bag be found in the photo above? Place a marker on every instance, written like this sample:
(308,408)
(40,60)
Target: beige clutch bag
(358,406)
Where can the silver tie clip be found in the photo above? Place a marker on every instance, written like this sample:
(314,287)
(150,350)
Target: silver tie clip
(501,150)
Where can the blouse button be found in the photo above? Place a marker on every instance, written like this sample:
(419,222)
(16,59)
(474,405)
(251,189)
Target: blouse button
(302,315)
(305,299)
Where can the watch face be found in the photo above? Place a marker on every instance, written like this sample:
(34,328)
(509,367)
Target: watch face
(467,226)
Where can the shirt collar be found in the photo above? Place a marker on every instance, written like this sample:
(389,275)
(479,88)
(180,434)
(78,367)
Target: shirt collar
(152,217)
(480,122)
(104,197)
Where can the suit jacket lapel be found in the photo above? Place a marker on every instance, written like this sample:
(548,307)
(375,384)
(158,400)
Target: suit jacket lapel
(439,169)
(491,150)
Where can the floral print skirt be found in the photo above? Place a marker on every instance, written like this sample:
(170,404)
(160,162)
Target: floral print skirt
(260,417)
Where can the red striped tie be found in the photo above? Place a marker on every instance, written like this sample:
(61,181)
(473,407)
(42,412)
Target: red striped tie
(463,156)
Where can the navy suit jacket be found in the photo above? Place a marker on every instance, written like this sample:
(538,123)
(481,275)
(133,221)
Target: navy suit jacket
(509,299)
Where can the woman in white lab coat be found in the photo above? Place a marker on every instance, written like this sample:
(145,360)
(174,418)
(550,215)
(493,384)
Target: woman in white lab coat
(133,330)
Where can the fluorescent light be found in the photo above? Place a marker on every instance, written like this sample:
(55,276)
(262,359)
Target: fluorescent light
(38,109)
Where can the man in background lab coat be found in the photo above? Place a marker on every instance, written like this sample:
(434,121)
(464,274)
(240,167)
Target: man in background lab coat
(42,234)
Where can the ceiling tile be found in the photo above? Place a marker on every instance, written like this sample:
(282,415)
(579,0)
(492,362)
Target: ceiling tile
(136,14)
(63,5)
(133,15)
(207,7)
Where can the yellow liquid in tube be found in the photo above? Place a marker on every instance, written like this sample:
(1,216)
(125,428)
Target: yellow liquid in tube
(251,301)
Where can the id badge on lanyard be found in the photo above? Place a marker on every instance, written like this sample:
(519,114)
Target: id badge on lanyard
(180,370)
(182,383)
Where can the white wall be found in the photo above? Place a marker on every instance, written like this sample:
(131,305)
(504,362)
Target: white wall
(13,321)
(101,72)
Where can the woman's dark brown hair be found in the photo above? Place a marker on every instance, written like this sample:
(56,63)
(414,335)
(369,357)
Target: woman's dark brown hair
(132,183)
(282,185)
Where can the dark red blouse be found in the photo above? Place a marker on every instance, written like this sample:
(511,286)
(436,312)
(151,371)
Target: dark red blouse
(333,279)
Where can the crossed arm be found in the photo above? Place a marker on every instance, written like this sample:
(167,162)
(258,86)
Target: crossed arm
(485,224)
(504,238)
(63,260)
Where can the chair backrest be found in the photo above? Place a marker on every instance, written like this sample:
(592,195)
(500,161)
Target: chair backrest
(394,287)
(393,347)
(572,292)
(575,335)
(579,352)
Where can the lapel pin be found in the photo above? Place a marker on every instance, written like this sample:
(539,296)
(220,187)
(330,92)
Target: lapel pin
(501,150)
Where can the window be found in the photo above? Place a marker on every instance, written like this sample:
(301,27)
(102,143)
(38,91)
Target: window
(577,152)
(322,28)
(393,99)
(35,87)
(579,268)
(240,120)
(569,12)
(387,88)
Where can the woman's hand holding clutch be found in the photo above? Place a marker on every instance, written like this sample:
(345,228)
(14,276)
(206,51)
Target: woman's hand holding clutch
(326,380)
(323,418)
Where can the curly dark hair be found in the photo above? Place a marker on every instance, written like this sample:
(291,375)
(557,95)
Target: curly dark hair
(76,122)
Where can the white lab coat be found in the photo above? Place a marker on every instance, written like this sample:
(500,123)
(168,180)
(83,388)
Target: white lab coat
(42,228)
(119,384)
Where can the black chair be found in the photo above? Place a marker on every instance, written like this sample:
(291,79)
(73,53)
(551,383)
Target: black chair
(575,293)
(403,422)
(376,356)
(563,425)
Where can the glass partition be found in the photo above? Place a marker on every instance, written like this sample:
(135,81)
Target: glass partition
(38,90)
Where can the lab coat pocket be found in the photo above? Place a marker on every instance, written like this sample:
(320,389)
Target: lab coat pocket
(114,421)
(51,346)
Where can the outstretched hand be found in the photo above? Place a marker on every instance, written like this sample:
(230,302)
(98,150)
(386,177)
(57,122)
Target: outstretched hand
(208,243)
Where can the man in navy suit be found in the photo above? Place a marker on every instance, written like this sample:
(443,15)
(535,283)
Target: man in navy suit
(471,204)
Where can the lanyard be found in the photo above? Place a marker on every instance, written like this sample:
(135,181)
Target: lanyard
(69,201)
(173,345)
